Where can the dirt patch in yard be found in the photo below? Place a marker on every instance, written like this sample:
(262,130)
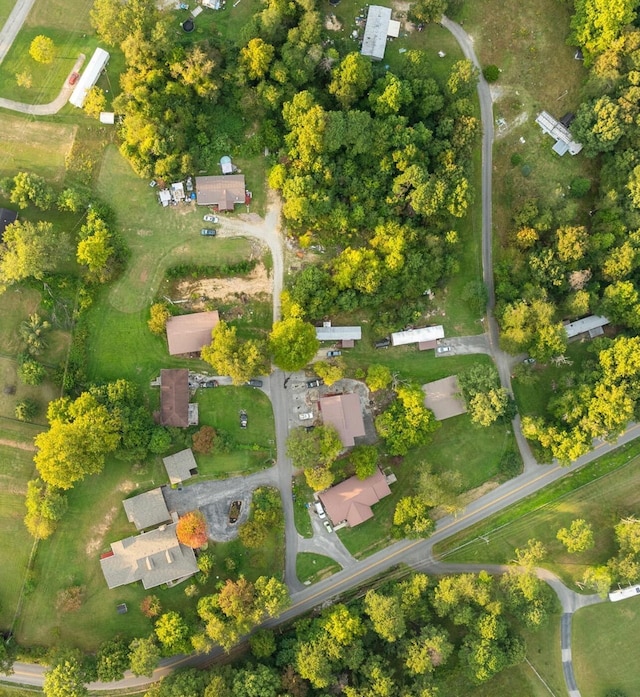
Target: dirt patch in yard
(255,283)
(98,533)
(17,444)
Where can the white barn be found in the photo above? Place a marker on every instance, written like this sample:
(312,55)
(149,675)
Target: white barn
(376,31)
(89,77)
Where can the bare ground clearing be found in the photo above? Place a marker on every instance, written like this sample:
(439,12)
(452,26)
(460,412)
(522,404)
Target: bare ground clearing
(255,283)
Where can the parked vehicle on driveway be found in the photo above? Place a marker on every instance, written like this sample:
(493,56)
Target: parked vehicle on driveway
(73,78)
(333,353)
(319,509)
(327,525)
(306,416)
(207,232)
(210,218)
(316,382)
(529,361)
(254,383)
(383,343)
(443,349)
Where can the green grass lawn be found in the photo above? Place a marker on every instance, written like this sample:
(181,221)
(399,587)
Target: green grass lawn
(533,399)
(605,648)
(602,503)
(16,469)
(303,495)
(311,568)
(67,23)
(252,448)
(38,147)
(5,9)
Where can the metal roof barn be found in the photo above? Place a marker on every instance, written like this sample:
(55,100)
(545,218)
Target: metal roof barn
(89,77)
(414,336)
(374,42)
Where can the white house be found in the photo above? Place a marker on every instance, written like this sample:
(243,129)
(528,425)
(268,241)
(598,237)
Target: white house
(89,77)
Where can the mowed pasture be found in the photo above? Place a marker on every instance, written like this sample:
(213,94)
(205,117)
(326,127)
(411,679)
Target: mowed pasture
(40,147)
(16,469)
(605,648)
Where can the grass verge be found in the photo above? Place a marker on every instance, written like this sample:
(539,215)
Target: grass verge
(302,496)
(311,568)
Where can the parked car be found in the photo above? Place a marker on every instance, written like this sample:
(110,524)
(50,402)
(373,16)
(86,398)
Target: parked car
(327,525)
(254,383)
(306,416)
(244,419)
(319,509)
(333,353)
(529,361)
(443,349)
(316,382)
(209,383)
(383,343)
(207,232)
(73,78)
(210,218)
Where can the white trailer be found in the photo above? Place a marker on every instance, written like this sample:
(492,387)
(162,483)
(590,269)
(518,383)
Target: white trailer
(89,77)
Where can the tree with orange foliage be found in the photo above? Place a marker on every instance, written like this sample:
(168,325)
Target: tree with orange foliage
(192,529)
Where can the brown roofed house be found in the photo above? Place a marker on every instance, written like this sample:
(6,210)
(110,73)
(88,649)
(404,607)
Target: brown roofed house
(174,397)
(351,500)
(148,509)
(344,413)
(222,192)
(190,333)
(154,557)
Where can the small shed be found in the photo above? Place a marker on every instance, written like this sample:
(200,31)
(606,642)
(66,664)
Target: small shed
(107,117)
(226,165)
(180,466)
(164,196)
(177,191)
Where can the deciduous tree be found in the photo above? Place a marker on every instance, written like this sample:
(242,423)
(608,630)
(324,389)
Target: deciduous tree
(192,529)
(407,423)
(112,660)
(386,615)
(378,377)
(42,49)
(578,537)
(65,680)
(293,343)
(157,322)
(144,656)
(411,517)
(365,460)
(173,633)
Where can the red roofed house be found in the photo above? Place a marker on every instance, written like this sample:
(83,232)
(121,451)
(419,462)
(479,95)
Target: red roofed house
(190,333)
(350,501)
(344,413)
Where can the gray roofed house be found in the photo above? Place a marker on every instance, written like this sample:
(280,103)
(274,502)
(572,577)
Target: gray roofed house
(148,509)
(376,30)
(559,132)
(154,557)
(223,191)
(328,333)
(180,466)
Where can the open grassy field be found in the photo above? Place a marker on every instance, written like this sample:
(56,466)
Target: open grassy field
(605,648)
(38,147)
(302,495)
(252,448)
(16,469)
(5,10)
(311,568)
(601,502)
(67,23)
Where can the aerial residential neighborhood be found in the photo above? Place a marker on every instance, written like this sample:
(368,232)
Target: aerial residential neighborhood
(320,348)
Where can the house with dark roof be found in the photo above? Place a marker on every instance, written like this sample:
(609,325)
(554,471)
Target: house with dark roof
(6,218)
(350,501)
(153,557)
(175,409)
(222,192)
(190,333)
(344,413)
(147,510)
(180,466)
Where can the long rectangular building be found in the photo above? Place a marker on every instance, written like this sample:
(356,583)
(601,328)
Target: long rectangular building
(89,77)
(376,30)
(418,336)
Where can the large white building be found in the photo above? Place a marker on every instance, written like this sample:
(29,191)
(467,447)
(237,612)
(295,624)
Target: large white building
(379,26)
(89,77)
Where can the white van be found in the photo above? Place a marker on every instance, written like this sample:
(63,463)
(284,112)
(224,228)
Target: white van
(320,510)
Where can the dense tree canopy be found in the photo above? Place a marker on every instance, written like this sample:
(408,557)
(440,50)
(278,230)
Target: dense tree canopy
(407,423)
